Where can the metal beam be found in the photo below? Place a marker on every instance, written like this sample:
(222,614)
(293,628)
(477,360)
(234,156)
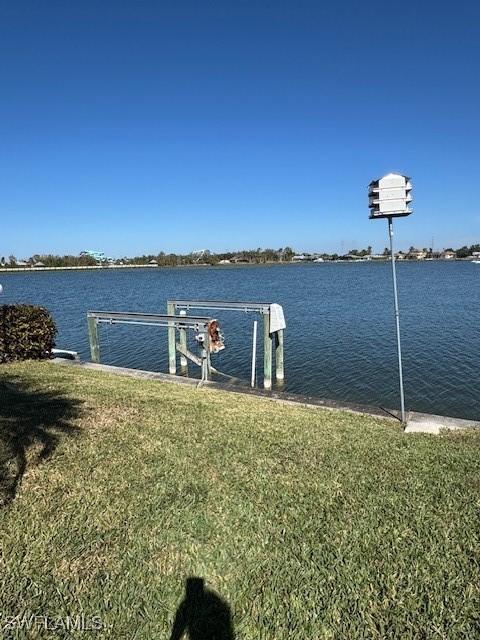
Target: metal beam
(222,305)
(197,323)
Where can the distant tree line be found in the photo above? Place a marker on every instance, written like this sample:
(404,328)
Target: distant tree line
(250,256)
(49,260)
(256,256)
(465,251)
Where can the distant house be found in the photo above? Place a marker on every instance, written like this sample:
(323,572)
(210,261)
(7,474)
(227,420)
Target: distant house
(153,263)
(38,264)
(416,254)
(239,258)
(448,255)
(224,262)
(299,258)
(21,263)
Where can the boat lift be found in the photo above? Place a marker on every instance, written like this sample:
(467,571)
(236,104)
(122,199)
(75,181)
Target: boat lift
(206,332)
(273,327)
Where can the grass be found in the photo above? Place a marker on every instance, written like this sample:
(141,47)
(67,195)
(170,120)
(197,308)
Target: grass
(308,523)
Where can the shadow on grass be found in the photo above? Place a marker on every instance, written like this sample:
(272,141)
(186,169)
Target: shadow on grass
(203,614)
(31,425)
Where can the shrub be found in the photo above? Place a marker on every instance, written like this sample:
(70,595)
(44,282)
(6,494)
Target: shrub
(27,332)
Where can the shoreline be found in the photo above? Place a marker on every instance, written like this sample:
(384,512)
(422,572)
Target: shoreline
(231,265)
(417,421)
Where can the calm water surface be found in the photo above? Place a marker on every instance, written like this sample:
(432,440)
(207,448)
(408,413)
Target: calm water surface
(340,337)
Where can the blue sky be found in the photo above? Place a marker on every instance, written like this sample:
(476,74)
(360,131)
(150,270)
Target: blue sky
(143,126)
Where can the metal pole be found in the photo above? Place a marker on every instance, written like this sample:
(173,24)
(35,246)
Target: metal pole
(254,352)
(205,356)
(397,319)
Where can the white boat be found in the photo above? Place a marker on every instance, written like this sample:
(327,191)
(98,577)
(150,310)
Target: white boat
(476,261)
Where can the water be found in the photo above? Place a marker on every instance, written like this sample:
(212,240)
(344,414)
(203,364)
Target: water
(340,337)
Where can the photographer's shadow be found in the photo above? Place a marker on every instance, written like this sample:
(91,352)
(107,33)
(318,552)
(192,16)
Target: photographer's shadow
(203,614)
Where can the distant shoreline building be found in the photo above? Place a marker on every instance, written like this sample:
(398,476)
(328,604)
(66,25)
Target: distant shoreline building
(98,256)
(416,254)
(448,255)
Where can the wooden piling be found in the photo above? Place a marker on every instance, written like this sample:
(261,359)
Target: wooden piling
(279,363)
(183,342)
(172,352)
(254,354)
(93,339)
(267,352)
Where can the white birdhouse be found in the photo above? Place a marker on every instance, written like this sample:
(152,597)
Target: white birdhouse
(390,196)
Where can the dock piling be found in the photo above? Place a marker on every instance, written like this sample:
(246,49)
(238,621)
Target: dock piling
(267,352)
(254,354)
(279,361)
(183,342)
(93,339)
(172,352)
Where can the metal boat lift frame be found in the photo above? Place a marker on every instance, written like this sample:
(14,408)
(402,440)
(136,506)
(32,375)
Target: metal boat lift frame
(197,324)
(263,308)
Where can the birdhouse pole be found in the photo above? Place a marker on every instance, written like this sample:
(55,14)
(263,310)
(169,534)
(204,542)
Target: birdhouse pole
(389,197)
(397,320)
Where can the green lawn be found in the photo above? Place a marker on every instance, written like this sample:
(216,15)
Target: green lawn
(308,523)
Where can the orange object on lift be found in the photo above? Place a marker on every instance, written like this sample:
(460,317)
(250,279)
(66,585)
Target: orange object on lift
(216,338)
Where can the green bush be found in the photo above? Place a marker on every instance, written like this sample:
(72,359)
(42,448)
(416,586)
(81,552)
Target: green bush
(27,332)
